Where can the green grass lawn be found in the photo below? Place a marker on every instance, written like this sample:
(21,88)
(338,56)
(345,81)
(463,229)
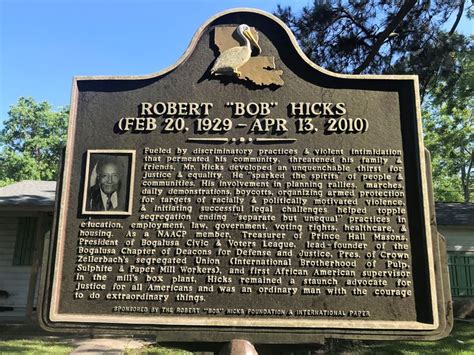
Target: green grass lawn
(461,341)
(34,346)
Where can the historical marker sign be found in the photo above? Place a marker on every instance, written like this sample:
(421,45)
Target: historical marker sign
(246,192)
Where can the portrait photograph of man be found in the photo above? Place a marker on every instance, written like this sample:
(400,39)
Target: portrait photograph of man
(108,182)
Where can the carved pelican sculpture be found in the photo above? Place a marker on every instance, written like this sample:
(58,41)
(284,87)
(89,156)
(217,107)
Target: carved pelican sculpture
(233,58)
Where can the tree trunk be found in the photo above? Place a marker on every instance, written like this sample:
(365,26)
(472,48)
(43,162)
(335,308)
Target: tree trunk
(466,182)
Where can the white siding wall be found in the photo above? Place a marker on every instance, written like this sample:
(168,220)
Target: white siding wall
(13,279)
(458,238)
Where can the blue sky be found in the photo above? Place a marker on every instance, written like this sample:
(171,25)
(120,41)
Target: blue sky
(45,43)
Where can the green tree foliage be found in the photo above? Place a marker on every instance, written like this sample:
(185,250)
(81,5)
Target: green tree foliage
(409,37)
(377,36)
(449,127)
(31,141)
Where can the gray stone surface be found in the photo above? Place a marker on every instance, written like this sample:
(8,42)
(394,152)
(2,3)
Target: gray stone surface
(114,346)
(238,347)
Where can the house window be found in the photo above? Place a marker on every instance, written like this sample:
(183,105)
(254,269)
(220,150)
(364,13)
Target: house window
(461,273)
(23,254)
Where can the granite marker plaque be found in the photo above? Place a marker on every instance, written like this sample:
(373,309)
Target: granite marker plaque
(246,192)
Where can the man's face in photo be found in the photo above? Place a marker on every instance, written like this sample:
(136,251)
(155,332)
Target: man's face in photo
(109,178)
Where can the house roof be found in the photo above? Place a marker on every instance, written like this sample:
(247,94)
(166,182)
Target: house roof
(29,193)
(454,214)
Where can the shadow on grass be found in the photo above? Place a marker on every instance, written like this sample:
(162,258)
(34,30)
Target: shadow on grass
(460,341)
(157,350)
